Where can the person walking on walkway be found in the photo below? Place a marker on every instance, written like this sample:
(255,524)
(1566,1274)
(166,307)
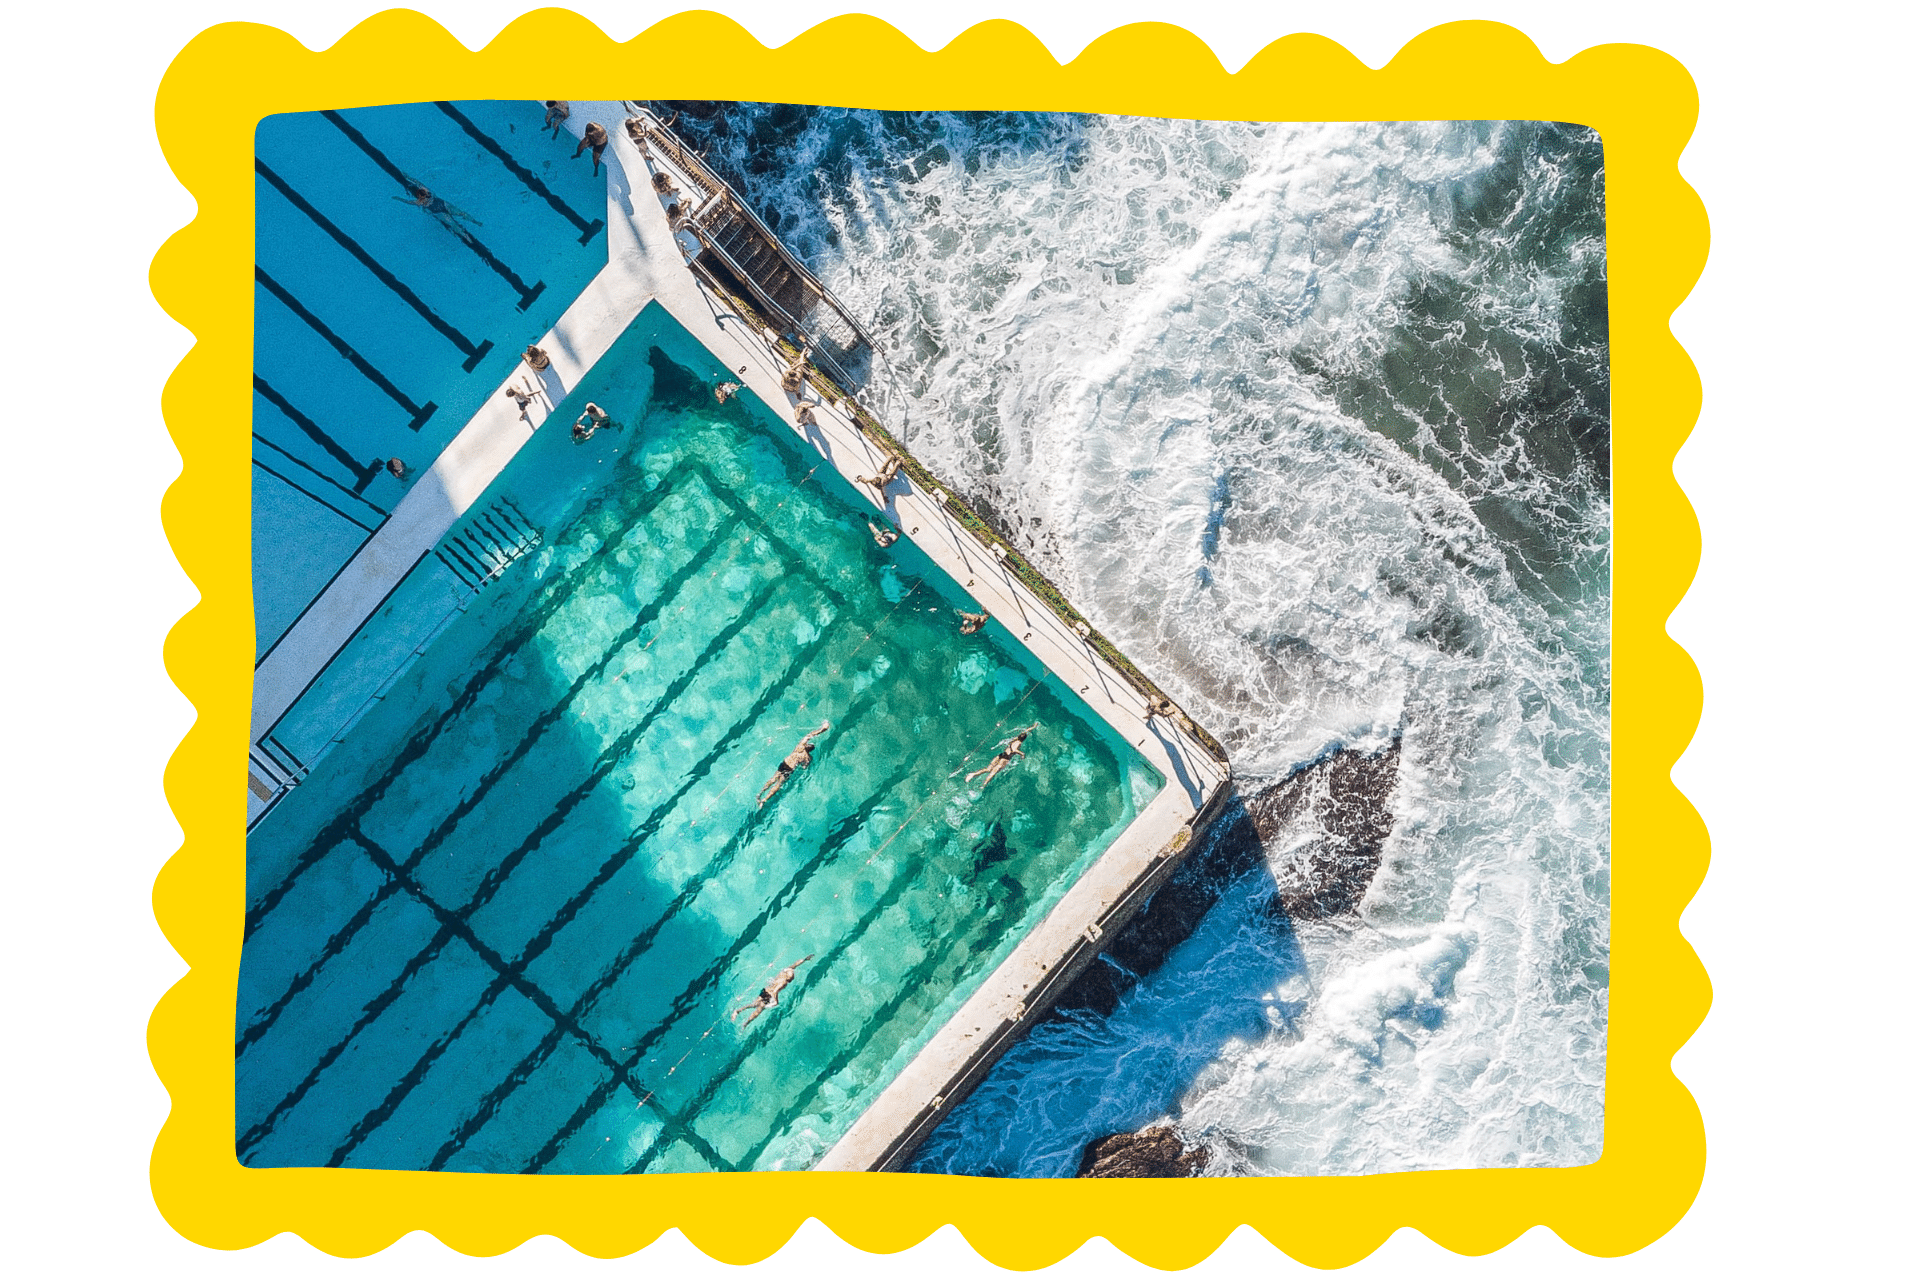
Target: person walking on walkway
(1009,751)
(769,996)
(798,758)
(595,136)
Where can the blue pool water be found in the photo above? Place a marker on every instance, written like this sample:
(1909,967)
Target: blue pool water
(377,330)
(502,925)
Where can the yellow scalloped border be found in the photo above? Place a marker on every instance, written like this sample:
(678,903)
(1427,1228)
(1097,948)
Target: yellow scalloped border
(1643,104)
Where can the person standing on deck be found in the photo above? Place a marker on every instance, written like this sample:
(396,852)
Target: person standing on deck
(595,136)
(1009,750)
(769,996)
(798,758)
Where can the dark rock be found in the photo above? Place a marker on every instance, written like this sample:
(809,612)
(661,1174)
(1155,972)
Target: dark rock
(1151,1153)
(1334,813)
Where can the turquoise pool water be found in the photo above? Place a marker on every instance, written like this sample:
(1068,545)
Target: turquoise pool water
(501,926)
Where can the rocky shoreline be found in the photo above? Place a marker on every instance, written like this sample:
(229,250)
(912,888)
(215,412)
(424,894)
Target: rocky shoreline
(1321,829)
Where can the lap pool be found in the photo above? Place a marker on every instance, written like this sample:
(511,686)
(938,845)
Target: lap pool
(502,924)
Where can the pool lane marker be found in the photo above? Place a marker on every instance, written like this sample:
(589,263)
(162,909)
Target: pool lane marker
(420,412)
(362,475)
(474,354)
(587,229)
(527,292)
(769,967)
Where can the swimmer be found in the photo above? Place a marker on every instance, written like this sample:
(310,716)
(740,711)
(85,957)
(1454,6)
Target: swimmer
(557,113)
(888,470)
(770,994)
(443,213)
(536,358)
(796,375)
(885,537)
(1009,750)
(591,420)
(798,758)
(594,136)
(726,391)
(398,469)
(971,622)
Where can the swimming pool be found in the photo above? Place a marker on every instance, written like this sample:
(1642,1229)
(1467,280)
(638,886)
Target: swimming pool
(377,330)
(502,924)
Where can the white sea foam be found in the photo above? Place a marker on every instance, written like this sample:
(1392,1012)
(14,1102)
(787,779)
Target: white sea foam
(1304,416)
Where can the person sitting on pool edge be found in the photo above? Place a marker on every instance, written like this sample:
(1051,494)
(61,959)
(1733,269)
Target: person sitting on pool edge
(769,995)
(798,758)
(591,419)
(1008,751)
(557,113)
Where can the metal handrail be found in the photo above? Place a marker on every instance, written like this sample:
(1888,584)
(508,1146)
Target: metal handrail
(718,190)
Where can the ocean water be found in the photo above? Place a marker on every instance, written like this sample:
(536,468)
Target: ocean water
(1313,420)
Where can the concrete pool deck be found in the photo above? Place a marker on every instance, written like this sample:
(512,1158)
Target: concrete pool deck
(647,262)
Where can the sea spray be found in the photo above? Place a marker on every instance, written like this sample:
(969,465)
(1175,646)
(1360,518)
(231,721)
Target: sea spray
(1312,419)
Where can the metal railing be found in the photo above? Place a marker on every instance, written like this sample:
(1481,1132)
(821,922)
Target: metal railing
(826,322)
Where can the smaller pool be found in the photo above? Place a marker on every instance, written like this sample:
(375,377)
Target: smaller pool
(503,925)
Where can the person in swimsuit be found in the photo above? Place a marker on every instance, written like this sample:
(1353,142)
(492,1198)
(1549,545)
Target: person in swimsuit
(796,375)
(536,358)
(520,396)
(726,391)
(445,214)
(770,994)
(798,758)
(972,622)
(885,537)
(888,471)
(592,419)
(637,130)
(803,415)
(1009,750)
(594,136)
(557,113)
(398,469)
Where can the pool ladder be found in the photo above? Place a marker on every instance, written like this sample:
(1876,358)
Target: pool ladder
(272,771)
(482,549)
